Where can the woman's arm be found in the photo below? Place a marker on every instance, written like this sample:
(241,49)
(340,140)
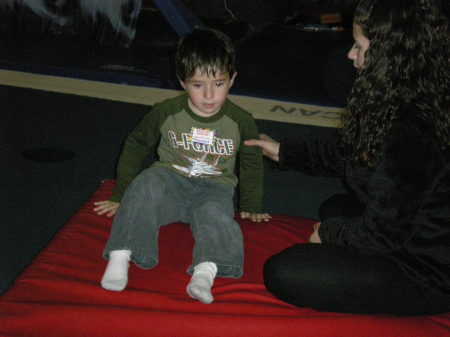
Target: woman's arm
(313,157)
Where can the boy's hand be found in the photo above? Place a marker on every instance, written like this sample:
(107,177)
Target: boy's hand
(106,207)
(256,217)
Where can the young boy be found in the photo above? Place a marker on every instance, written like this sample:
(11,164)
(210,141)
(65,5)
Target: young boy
(199,135)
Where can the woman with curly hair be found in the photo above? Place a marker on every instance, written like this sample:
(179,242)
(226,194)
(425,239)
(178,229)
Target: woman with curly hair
(383,247)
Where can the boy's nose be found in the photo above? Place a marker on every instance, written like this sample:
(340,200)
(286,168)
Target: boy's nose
(209,92)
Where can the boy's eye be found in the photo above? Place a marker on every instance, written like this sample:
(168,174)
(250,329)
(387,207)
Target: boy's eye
(196,85)
(219,84)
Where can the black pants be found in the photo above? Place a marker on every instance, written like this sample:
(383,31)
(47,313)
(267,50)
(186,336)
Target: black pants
(339,279)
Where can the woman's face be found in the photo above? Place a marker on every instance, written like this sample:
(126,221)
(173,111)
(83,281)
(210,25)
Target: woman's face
(356,53)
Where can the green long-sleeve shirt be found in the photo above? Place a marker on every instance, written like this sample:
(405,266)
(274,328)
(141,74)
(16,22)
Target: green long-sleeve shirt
(197,147)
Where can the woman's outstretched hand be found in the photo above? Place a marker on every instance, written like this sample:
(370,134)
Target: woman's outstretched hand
(270,147)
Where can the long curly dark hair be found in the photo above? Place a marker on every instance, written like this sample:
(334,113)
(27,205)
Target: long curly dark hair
(406,70)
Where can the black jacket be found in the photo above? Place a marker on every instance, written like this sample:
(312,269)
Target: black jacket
(402,205)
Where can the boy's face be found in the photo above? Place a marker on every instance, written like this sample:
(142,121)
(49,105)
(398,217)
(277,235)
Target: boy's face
(206,93)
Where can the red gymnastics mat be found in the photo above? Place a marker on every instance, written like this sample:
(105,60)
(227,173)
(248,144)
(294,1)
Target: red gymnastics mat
(59,293)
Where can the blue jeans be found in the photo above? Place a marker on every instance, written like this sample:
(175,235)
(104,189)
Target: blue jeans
(158,197)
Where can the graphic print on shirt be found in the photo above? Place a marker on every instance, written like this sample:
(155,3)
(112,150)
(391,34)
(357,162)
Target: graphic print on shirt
(199,167)
(204,142)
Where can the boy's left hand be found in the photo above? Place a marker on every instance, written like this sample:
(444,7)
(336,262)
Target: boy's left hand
(256,217)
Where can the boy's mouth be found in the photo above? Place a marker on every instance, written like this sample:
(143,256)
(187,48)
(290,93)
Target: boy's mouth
(209,105)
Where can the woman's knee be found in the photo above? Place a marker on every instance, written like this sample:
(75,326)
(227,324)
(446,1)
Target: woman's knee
(273,273)
(305,269)
(282,269)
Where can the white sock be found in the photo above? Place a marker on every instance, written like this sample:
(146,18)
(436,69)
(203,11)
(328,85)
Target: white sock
(116,274)
(201,282)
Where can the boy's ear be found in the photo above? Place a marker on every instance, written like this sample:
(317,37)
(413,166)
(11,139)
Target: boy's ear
(232,79)
(183,85)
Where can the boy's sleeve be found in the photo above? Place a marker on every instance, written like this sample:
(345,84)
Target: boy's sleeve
(138,145)
(251,170)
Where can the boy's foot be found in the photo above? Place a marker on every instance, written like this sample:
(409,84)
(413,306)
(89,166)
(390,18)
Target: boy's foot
(196,291)
(116,274)
(201,282)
